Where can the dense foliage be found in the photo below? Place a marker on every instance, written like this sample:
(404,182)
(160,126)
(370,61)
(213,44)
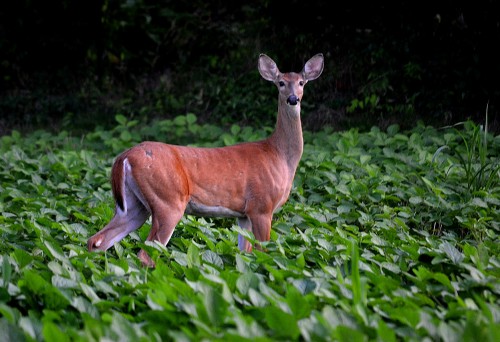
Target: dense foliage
(388,235)
(75,64)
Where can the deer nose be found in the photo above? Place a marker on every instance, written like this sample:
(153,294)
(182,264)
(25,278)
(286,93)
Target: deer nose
(292,100)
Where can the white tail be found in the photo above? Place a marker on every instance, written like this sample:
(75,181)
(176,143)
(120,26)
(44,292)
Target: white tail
(248,181)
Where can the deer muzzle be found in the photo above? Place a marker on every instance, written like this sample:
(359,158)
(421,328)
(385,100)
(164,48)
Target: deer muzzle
(292,100)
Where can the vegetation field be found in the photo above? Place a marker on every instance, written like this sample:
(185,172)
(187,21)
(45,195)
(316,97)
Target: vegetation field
(387,236)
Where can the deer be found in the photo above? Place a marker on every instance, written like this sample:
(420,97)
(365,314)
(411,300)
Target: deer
(248,181)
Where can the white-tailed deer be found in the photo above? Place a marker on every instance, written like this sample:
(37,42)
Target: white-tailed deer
(248,181)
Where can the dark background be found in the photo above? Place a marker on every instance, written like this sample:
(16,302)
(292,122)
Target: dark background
(74,65)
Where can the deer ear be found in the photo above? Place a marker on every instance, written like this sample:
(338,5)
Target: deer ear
(267,68)
(313,67)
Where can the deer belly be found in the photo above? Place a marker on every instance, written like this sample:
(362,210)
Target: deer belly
(198,209)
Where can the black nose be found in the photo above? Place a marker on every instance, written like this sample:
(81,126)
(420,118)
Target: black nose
(292,100)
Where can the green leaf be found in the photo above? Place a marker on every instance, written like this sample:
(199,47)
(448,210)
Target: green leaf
(212,258)
(6,271)
(349,334)
(11,332)
(8,313)
(443,279)
(51,332)
(256,298)
(385,333)
(193,256)
(123,329)
(125,136)
(478,202)
(191,118)
(297,302)
(453,254)
(246,281)
(283,324)
(235,129)
(180,120)
(122,120)
(215,306)
(56,251)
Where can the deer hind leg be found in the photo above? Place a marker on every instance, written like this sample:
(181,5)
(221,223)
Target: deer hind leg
(133,215)
(259,225)
(164,219)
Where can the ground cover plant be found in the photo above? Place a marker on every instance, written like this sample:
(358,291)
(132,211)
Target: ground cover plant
(388,235)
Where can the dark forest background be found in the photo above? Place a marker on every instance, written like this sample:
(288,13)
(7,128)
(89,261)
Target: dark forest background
(76,64)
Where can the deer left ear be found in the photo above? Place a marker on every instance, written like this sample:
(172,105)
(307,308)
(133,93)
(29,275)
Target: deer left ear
(313,67)
(268,68)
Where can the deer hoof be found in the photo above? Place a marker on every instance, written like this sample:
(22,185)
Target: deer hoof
(146,259)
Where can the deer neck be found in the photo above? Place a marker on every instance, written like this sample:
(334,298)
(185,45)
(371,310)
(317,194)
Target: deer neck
(287,136)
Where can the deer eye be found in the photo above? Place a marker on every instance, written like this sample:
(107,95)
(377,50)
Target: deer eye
(281,83)
(301,83)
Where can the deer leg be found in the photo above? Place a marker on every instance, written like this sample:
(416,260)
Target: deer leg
(244,244)
(122,223)
(164,220)
(259,225)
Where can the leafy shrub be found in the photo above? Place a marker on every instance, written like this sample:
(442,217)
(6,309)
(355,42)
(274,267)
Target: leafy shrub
(365,249)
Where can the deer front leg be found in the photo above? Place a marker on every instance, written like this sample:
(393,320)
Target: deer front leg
(244,244)
(259,225)
(164,220)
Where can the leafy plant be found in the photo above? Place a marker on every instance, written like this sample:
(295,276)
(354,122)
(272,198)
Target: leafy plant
(366,248)
(481,171)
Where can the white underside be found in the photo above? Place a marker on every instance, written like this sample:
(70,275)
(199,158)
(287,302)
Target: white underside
(198,209)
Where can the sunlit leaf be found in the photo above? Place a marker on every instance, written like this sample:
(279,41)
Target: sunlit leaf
(426,265)
(215,306)
(453,254)
(283,324)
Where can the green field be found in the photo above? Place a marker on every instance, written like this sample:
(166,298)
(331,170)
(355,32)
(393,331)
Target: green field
(388,235)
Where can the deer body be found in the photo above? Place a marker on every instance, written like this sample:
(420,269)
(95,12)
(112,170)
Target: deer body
(248,181)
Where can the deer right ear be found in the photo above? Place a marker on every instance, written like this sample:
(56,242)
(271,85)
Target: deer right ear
(313,67)
(267,68)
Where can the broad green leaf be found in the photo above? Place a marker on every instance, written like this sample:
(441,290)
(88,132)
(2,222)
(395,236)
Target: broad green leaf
(304,285)
(242,265)
(180,120)
(246,281)
(9,313)
(235,129)
(212,258)
(125,136)
(51,332)
(84,306)
(256,298)
(123,329)
(63,283)
(90,293)
(297,303)
(347,334)
(215,306)
(122,120)
(443,279)
(247,326)
(478,202)
(191,118)
(6,271)
(193,256)
(56,251)
(283,324)
(453,254)
(10,332)
(385,333)
(38,289)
